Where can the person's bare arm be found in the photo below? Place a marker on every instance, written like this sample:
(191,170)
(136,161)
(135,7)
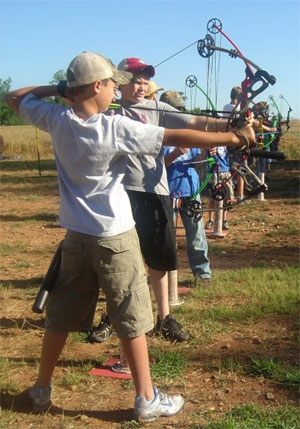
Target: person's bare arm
(193,138)
(203,123)
(13,98)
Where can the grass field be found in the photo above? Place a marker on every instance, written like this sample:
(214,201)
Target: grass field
(26,141)
(240,370)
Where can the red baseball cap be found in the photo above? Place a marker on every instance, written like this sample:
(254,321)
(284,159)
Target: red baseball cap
(136,66)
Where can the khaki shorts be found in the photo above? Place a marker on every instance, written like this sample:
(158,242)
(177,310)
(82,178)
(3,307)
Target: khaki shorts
(113,263)
(229,188)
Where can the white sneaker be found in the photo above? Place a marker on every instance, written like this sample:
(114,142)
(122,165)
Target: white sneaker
(161,405)
(41,398)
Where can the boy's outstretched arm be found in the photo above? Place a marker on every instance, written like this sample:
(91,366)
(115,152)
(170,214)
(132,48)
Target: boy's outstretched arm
(205,123)
(192,138)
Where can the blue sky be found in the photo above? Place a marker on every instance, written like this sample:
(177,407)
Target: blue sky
(38,38)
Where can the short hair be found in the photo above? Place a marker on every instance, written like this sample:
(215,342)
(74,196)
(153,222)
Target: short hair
(78,90)
(142,75)
(235,92)
(173,98)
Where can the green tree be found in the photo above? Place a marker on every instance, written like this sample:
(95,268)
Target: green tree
(4,87)
(7,116)
(59,75)
(196,111)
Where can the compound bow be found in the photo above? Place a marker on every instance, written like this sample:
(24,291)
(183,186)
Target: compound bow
(253,185)
(287,122)
(191,82)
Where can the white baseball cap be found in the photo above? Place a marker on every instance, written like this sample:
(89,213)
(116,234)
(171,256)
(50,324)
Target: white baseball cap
(88,67)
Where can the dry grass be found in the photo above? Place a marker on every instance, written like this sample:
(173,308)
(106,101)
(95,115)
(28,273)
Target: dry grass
(255,271)
(289,143)
(23,141)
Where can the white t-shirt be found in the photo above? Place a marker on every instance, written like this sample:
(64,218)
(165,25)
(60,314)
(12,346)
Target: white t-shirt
(229,108)
(145,173)
(91,161)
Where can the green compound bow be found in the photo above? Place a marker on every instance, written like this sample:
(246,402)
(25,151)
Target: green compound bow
(191,82)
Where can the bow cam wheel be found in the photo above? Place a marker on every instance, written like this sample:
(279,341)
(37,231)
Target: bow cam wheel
(211,25)
(191,81)
(203,46)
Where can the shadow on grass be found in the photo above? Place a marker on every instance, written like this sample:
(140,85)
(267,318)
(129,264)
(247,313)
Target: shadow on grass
(35,182)
(22,284)
(226,258)
(283,180)
(18,165)
(22,323)
(38,217)
(64,363)
(20,403)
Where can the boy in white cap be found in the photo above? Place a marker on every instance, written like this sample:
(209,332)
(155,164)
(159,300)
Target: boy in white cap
(91,152)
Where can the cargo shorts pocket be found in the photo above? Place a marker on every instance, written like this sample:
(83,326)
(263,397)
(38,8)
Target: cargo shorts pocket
(142,295)
(116,255)
(130,313)
(71,260)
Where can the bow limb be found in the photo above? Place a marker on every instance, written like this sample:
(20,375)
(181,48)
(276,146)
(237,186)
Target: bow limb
(275,124)
(194,208)
(287,123)
(213,108)
(216,24)
(275,105)
(206,48)
(191,82)
(205,43)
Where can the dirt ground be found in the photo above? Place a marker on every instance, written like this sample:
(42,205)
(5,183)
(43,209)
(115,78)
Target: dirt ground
(29,235)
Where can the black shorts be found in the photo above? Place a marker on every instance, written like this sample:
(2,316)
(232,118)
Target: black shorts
(154,224)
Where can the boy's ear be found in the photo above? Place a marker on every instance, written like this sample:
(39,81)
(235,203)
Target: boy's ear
(97,86)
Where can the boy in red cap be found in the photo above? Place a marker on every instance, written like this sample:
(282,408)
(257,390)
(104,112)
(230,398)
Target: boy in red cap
(147,187)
